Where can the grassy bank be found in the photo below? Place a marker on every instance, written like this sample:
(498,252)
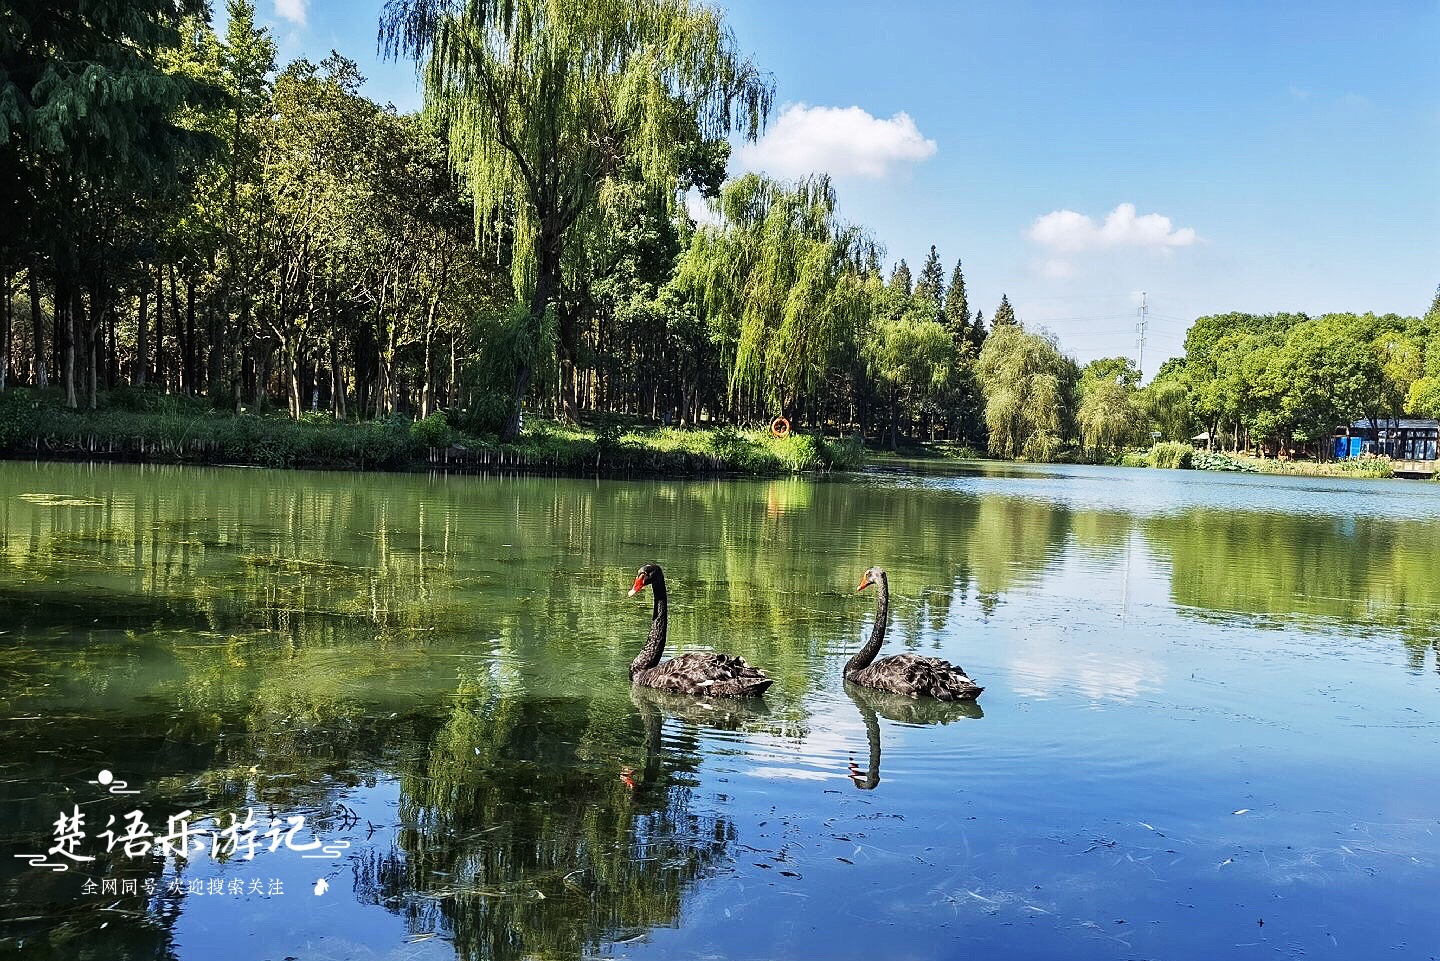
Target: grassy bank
(179,430)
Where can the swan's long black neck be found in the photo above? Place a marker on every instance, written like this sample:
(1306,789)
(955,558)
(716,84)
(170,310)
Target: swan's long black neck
(649,656)
(866,654)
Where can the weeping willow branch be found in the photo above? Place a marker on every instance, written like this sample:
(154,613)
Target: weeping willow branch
(549,100)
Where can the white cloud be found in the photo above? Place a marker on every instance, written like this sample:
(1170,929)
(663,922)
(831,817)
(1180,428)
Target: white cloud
(840,141)
(292,10)
(1071,232)
(699,208)
(1053,268)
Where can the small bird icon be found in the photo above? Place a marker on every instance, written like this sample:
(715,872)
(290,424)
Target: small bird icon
(321,886)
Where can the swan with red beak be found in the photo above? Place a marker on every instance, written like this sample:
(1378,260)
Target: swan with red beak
(907,674)
(705,674)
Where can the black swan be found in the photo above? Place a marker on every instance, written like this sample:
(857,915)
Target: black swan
(907,674)
(711,675)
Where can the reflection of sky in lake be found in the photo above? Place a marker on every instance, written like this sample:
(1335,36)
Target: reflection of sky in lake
(1211,701)
(1145,492)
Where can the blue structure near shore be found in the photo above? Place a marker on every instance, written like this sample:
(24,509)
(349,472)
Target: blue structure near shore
(1410,439)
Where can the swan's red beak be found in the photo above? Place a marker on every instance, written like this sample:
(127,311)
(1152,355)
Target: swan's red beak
(865,582)
(639,586)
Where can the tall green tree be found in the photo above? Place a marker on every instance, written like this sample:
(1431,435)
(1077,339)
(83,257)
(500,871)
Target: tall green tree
(901,283)
(548,100)
(931,285)
(248,65)
(1004,314)
(87,124)
(1028,385)
(1109,415)
(780,283)
(957,307)
(978,332)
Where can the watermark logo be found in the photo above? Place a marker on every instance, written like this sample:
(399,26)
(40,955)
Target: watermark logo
(242,838)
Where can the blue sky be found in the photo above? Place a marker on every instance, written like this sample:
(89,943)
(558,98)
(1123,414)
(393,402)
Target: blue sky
(1217,155)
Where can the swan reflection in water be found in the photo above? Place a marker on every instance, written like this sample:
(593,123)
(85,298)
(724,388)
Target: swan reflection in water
(723,714)
(906,710)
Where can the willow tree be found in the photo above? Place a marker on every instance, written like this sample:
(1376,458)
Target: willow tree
(548,100)
(1027,384)
(779,283)
(1109,413)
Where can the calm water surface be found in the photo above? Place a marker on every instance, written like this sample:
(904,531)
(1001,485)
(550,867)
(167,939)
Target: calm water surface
(1211,725)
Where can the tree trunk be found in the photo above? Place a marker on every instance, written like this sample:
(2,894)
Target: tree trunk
(547,284)
(5,315)
(337,382)
(93,327)
(138,369)
(112,352)
(177,320)
(569,356)
(191,384)
(158,368)
(92,347)
(38,374)
(292,355)
(70,325)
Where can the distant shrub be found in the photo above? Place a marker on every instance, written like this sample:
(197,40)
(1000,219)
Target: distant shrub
(1135,458)
(1171,454)
(1215,460)
(1368,465)
(847,453)
(799,451)
(485,415)
(433,431)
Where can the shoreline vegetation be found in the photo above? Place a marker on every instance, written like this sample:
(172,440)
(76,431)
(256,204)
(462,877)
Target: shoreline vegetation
(179,430)
(152,428)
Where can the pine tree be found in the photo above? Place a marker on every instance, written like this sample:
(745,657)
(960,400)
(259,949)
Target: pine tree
(872,266)
(957,307)
(900,280)
(931,284)
(1004,314)
(977,331)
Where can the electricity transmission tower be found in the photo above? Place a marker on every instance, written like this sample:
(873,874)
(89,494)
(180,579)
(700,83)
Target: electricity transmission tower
(1140,329)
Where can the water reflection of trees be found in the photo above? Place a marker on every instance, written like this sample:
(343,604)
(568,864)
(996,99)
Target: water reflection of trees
(1331,571)
(317,559)
(545,827)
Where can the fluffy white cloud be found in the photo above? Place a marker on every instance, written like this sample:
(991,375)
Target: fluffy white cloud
(1071,232)
(699,208)
(840,141)
(292,10)
(1054,268)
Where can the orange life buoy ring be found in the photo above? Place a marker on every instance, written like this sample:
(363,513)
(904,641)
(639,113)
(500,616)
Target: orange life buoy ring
(780,427)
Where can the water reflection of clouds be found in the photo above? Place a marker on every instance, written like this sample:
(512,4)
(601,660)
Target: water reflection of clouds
(834,734)
(1098,637)
(1152,492)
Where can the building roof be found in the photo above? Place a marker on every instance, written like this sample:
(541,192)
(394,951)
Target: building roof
(1404,423)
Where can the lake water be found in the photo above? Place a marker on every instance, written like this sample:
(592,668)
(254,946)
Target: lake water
(1210,729)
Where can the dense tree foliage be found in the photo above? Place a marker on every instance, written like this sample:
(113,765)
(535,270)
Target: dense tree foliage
(188,216)
(1283,382)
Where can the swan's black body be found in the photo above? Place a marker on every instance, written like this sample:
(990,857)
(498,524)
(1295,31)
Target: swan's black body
(708,675)
(908,674)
